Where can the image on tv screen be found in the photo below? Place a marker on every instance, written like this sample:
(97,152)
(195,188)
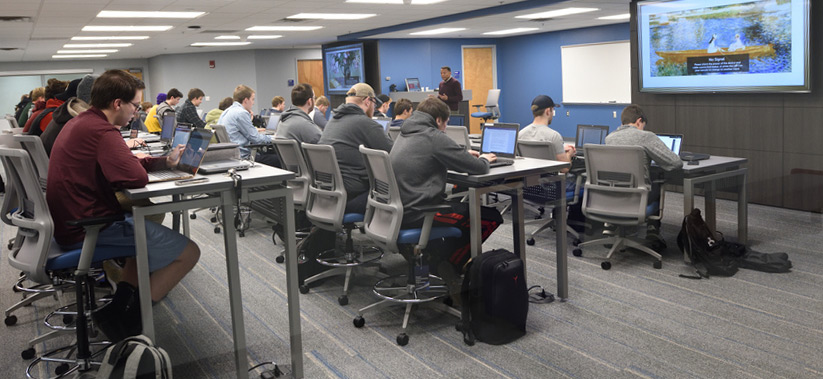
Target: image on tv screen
(344,67)
(737,45)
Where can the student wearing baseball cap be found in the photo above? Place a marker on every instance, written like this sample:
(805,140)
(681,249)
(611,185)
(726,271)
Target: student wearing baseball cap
(543,111)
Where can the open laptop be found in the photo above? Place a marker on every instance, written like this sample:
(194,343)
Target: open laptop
(167,131)
(674,142)
(594,134)
(500,139)
(271,126)
(264,112)
(190,159)
(384,122)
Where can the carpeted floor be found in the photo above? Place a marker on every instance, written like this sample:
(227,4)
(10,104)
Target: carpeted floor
(630,321)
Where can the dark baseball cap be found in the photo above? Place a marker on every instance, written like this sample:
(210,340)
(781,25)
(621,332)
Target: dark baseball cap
(543,102)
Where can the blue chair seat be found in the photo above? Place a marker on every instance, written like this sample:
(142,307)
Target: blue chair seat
(652,208)
(409,236)
(349,218)
(62,260)
(482,114)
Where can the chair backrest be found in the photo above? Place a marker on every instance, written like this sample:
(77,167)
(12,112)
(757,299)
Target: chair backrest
(32,217)
(492,98)
(459,134)
(34,146)
(536,149)
(394,132)
(291,157)
(221,134)
(616,189)
(384,210)
(326,205)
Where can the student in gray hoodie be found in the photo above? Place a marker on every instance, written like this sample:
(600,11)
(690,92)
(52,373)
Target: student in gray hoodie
(295,123)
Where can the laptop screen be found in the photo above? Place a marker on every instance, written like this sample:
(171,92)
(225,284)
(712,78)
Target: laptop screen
(181,136)
(274,119)
(384,122)
(594,134)
(673,141)
(457,119)
(168,127)
(500,139)
(264,112)
(195,150)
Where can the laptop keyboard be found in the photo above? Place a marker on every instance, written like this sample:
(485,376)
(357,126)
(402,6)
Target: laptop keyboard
(166,174)
(502,162)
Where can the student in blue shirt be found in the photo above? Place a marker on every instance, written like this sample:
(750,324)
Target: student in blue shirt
(237,120)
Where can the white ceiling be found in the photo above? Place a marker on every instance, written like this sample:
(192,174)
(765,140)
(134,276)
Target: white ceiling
(54,22)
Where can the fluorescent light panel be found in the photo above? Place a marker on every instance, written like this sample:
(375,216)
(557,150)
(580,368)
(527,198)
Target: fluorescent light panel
(108,38)
(152,14)
(437,31)
(331,16)
(87,51)
(624,16)
(227,37)
(510,31)
(220,43)
(80,56)
(264,36)
(557,13)
(81,45)
(282,28)
(126,28)
(413,2)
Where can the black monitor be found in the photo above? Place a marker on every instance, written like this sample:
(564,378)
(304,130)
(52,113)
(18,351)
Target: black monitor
(594,134)
(167,131)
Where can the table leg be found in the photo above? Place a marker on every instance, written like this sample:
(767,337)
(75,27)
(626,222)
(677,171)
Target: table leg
(474,214)
(562,257)
(518,229)
(175,216)
(743,211)
(233,276)
(296,336)
(143,285)
(710,193)
(688,205)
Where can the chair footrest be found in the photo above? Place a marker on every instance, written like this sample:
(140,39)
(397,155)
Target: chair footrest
(360,256)
(396,289)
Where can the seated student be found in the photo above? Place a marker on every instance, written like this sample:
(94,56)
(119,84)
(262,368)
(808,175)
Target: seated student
(89,162)
(188,111)
(632,133)
(295,123)
(237,120)
(539,130)
(383,108)
(53,88)
(350,127)
(67,111)
(172,99)
(151,122)
(421,158)
(278,104)
(402,111)
(321,106)
(214,114)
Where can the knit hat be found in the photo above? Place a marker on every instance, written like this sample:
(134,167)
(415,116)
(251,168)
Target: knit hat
(71,91)
(161,97)
(84,88)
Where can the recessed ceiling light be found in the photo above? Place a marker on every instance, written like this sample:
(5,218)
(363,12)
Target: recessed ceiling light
(262,36)
(81,56)
(282,28)
(153,14)
(557,13)
(331,16)
(87,51)
(510,31)
(126,28)
(413,2)
(227,37)
(221,43)
(437,31)
(624,16)
(108,38)
(76,45)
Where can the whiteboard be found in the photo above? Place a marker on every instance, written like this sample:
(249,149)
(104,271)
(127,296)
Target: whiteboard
(597,73)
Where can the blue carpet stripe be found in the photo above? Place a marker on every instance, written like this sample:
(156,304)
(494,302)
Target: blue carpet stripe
(331,368)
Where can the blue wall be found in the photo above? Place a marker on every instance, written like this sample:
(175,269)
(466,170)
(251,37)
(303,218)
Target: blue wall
(527,66)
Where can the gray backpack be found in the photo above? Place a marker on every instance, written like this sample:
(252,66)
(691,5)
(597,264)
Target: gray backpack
(135,357)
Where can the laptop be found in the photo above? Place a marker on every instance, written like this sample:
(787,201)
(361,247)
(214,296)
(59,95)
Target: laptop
(500,139)
(190,159)
(674,141)
(271,126)
(384,122)
(167,131)
(223,165)
(457,119)
(264,112)
(594,134)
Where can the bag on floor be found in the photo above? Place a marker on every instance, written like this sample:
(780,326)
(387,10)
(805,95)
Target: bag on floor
(704,248)
(766,262)
(495,302)
(318,241)
(135,357)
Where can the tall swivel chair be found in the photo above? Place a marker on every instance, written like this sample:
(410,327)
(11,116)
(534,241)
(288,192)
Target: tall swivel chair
(34,146)
(616,192)
(383,219)
(326,210)
(291,157)
(394,132)
(492,110)
(459,134)
(43,261)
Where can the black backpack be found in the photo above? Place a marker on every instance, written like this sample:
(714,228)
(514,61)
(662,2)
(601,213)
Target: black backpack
(705,250)
(135,357)
(494,297)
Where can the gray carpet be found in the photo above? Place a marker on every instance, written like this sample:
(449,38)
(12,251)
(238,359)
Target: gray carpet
(630,321)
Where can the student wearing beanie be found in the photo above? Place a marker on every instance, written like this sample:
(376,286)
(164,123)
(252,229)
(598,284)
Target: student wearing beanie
(84,88)
(71,108)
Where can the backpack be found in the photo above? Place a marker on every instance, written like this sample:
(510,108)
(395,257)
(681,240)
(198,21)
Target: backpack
(704,249)
(135,357)
(494,299)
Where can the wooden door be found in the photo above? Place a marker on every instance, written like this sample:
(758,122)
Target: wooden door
(311,71)
(478,76)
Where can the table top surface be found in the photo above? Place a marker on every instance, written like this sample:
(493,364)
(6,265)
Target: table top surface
(522,167)
(257,175)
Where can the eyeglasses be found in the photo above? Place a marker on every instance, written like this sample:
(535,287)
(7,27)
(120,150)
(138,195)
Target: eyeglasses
(136,106)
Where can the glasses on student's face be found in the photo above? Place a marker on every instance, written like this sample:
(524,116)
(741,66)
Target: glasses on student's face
(136,106)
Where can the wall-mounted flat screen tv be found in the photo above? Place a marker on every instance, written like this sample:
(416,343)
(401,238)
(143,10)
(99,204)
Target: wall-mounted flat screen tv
(723,46)
(343,67)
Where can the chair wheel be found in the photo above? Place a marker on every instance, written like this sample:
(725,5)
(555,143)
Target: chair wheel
(216,230)
(359,321)
(402,339)
(530,242)
(10,320)
(62,369)
(280,259)
(213,219)
(241,234)
(577,252)
(576,242)
(28,353)
(68,319)
(193,216)
(343,300)
(605,265)
(11,245)
(304,289)
(658,264)
(448,301)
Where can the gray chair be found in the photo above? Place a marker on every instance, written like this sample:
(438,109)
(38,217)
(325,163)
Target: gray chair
(34,146)
(492,110)
(394,132)
(221,134)
(383,219)
(325,209)
(291,157)
(459,134)
(617,192)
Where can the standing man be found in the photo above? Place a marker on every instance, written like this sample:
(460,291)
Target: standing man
(295,122)
(237,120)
(188,111)
(449,90)
(402,111)
(88,163)
(318,115)
(539,130)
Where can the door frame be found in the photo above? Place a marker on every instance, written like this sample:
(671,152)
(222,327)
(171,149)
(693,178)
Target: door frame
(494,64)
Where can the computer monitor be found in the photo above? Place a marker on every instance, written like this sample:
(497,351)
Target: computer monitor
(169,123)
(384,122)
(457,119)
(413,85)
(594,134)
